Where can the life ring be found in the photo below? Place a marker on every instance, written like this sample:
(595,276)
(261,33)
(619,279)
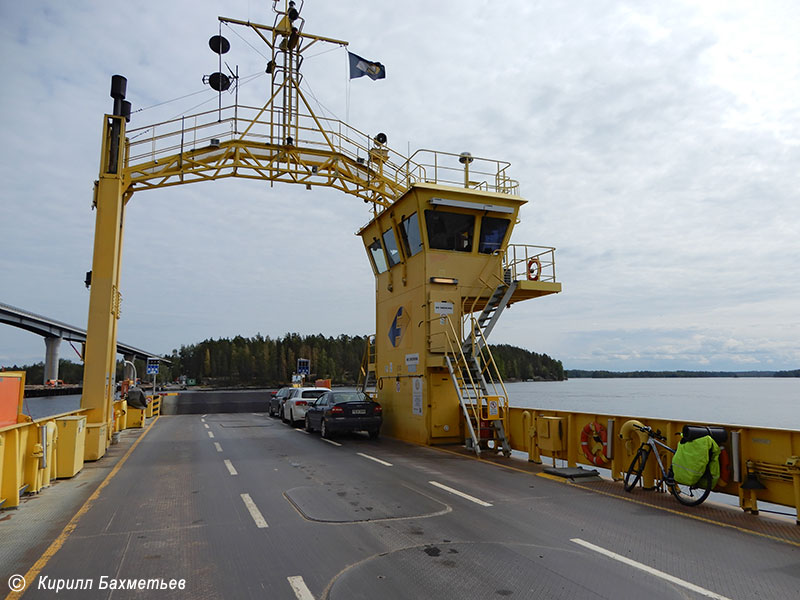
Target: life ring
(534,276)
(591,434)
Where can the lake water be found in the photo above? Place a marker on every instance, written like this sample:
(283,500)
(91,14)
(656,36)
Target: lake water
(753,401)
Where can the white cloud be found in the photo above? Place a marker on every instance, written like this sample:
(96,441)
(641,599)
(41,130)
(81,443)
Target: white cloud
(657,144)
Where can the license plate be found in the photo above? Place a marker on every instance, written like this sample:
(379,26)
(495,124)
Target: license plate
(359,411)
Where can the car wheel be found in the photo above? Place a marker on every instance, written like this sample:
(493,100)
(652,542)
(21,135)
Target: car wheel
(308,425)
(373,434)
(323,431)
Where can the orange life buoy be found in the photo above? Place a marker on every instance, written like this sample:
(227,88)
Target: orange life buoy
(534,275)
(591,433)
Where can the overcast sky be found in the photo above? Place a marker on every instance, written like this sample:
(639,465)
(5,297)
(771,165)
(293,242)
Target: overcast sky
(658,145)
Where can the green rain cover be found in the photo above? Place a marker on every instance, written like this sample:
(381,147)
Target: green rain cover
(691,458)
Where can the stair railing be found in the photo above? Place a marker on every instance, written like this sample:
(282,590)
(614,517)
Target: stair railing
(470,406)
(490,372)
(367,361)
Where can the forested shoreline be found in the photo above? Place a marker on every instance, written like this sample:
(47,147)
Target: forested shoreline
(263,361)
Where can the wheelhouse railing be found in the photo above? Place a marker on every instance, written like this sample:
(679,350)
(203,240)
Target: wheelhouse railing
(526,262)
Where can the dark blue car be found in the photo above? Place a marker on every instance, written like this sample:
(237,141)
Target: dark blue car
(340,412)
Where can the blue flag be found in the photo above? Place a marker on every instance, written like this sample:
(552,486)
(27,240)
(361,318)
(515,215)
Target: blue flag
(361,66)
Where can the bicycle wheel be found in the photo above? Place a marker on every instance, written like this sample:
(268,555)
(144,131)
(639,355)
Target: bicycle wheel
(634,474)
(692,495)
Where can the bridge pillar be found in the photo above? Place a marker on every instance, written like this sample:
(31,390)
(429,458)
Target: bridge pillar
(51,358)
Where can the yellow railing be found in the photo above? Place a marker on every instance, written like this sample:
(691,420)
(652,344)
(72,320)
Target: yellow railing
(33,453)
(520,260)
(367,361)
(769,456)
(489,369)
(477,406)
(319,150)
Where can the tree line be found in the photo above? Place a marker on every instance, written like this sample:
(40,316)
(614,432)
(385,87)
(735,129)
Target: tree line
(263,361)
(582,374)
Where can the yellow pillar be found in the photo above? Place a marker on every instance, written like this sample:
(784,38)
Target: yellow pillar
(101,336)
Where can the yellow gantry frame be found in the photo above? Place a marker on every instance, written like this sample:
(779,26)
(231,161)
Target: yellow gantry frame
(283,141)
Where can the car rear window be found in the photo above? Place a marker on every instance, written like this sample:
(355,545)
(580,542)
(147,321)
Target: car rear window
(312,393)
(349,397)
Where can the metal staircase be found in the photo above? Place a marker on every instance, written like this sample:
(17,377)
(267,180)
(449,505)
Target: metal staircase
(367,379)
(481,393)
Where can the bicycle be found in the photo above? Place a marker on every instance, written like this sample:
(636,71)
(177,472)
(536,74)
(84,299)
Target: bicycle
(689,495)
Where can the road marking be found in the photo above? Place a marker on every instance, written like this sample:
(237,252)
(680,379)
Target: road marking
(254,512)
(330,441)
(211,434)
(217,446)
(202,420)
(377,460)
(302,431)
(650,570)
(206,426)
(462,494)
(54,547)
(231,470)
(300,588)
(204,416)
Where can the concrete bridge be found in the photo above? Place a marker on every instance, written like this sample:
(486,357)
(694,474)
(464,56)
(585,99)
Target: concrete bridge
(54,332)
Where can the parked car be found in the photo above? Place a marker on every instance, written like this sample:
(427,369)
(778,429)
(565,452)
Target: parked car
(276,400)
(341,411)
(296,403)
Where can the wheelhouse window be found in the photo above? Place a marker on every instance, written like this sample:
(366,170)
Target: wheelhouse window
(450,231)
(390,243)
(377,256)
(409,231)
(493,230)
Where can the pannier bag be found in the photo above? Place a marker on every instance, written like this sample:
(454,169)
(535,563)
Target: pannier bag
(137,398)
(692,432)
(692,458)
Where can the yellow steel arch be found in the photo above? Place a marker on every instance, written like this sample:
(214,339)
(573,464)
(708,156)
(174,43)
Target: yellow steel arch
(282,141)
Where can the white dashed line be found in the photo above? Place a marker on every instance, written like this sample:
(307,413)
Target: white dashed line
(211,434)
(461,494)
(254,512)
(231,470)
(217,446)
(206,426)
(302,431)
(650,570)
(300,588)
(330,442)
(203,416)
(377,460)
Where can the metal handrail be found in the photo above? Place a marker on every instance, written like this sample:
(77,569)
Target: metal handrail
(152,144)
(518,257)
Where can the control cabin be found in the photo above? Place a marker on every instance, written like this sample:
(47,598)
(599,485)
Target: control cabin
(440,254)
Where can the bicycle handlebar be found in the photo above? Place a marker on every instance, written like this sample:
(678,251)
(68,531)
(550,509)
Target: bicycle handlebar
(649,431)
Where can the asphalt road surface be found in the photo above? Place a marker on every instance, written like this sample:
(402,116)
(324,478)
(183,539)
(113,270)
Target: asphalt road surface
(243,506)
